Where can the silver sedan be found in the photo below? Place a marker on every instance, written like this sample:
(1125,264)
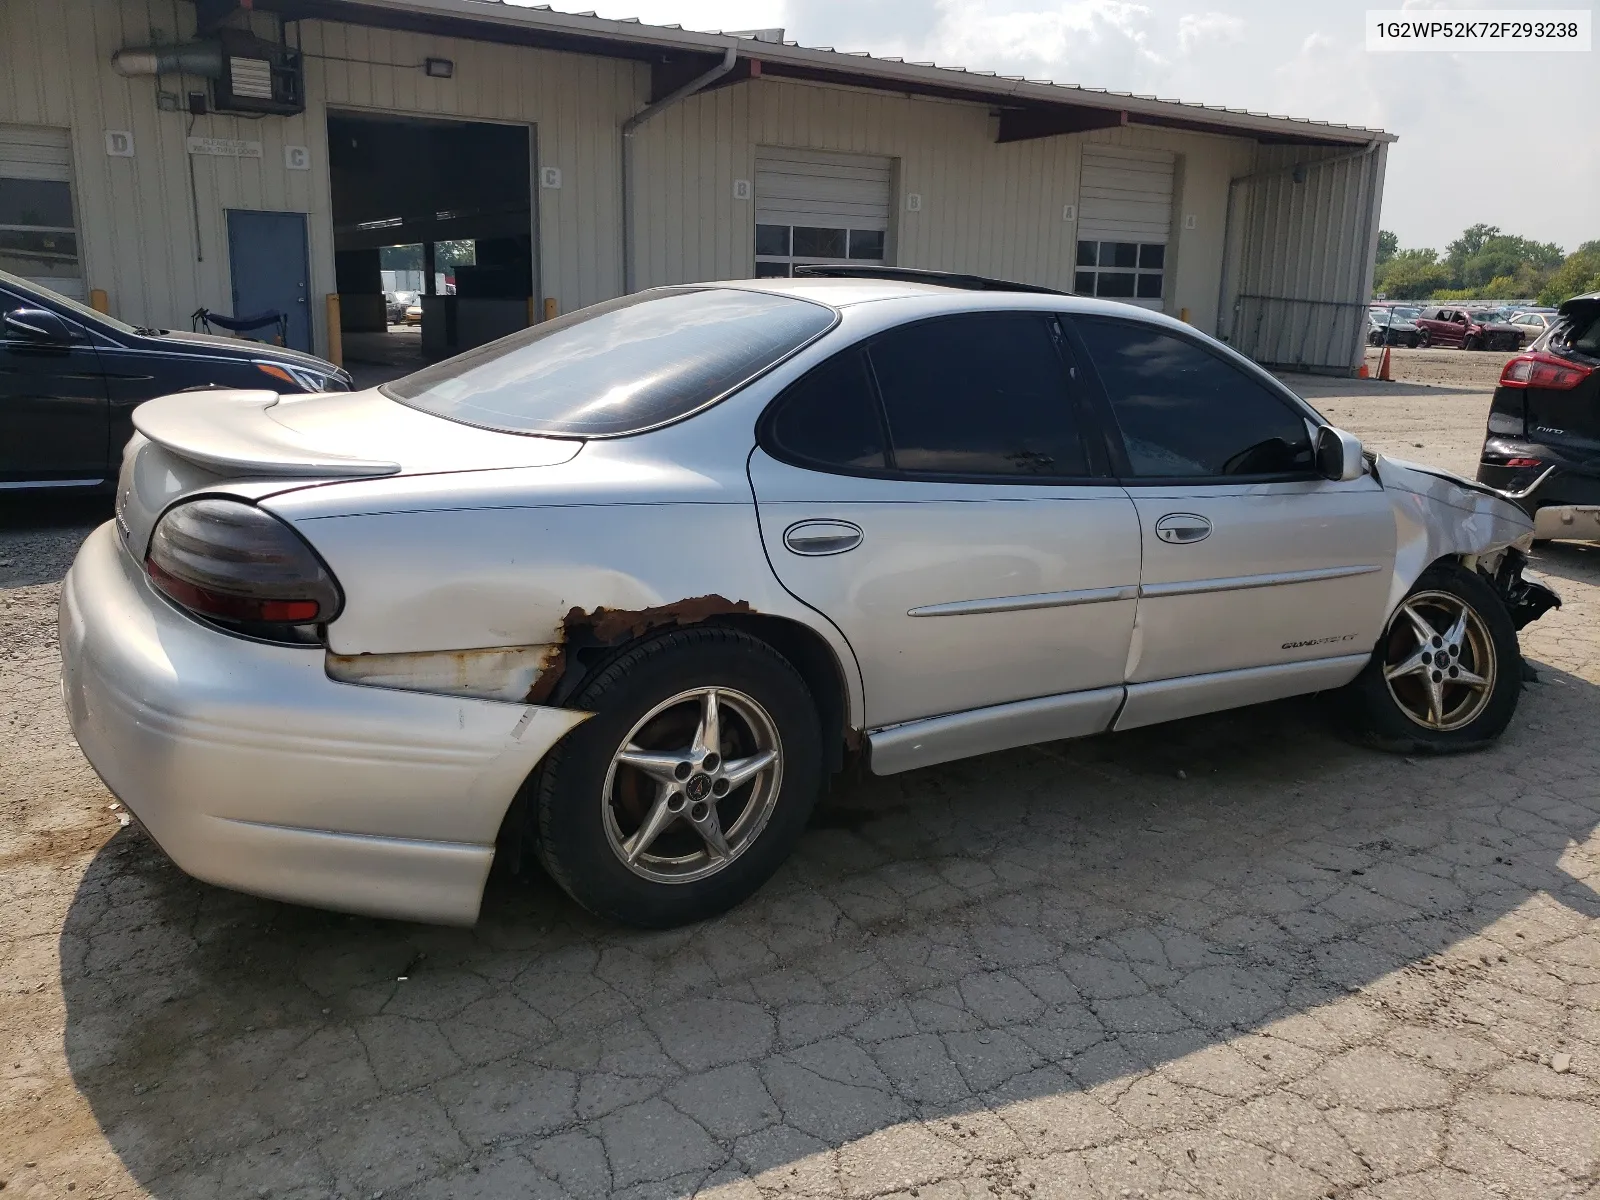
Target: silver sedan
(621,590)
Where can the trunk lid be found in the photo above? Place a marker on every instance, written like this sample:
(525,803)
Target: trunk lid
(255,444)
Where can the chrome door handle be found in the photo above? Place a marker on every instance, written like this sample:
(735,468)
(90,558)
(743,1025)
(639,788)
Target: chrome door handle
(817,538)
(1183,528)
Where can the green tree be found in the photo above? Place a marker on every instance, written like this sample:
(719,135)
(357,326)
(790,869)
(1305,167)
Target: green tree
(1580,274)
(1388,244)
(1472,240)
(1412,275)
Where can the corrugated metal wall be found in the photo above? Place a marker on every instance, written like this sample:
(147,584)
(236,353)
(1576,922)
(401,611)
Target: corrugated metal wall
(1305,256)
(987,208)
(135,217)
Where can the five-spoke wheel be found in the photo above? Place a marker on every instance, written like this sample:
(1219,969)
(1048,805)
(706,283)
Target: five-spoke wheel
(693,785)
(1439,661)
(1447,671)
(689,785)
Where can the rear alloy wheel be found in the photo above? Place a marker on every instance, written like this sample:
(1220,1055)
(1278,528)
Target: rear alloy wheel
(1447,671)
(676,808)
(689,786)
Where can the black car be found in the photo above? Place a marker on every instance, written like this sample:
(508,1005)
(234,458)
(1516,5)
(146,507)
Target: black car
(1542,448)
(71,377)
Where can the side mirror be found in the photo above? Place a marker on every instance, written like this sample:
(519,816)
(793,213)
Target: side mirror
(1339,455)
(37,325)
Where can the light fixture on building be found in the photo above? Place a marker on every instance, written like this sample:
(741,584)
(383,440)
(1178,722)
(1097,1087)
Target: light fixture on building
(439,68)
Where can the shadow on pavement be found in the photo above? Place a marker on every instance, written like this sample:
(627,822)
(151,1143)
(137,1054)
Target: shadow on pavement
(979,942)
(40,534)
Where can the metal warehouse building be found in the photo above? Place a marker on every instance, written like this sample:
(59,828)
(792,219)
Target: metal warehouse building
(174,154)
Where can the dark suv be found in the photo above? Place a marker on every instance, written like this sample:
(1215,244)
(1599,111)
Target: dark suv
(70,378)
(1542,449)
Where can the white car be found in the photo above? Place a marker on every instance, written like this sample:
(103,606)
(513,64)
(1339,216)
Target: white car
(623,588)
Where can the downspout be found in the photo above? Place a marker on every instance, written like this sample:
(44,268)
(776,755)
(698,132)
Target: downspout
(730,58)
(1299,168)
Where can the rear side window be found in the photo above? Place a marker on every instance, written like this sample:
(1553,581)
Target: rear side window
(830,418)
(620,367)
(1186,413)
(978,394)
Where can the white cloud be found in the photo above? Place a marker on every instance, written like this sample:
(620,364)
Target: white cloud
(1198,29)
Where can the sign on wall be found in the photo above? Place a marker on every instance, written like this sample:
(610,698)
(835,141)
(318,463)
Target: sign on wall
(225,147)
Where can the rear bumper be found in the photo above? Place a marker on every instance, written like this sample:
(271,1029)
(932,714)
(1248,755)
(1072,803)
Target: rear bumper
(255,771)
(1562,497)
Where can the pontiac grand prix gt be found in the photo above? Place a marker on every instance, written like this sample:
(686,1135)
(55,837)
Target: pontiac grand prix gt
(622,589)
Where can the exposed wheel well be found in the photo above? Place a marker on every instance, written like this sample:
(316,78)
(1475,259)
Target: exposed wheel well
(805,649)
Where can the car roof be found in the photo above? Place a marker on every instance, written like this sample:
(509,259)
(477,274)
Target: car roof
(845,292)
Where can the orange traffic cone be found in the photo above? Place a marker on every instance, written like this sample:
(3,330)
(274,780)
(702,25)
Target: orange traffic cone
(1363,373)
(1383,364)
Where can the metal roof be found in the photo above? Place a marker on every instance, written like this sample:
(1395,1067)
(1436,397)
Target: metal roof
(1029,107)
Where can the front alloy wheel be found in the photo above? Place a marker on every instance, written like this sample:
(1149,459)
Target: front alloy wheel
(693,785)
(1447,671)
(1439,661)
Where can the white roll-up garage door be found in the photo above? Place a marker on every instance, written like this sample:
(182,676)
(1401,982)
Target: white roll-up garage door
(1124,221)
(814,206)
(38,236)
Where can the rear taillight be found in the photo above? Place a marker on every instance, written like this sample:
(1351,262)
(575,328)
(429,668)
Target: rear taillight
(1541,370)
(239,566)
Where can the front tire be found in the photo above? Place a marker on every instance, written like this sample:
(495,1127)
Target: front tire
(1447,671)
(690,785)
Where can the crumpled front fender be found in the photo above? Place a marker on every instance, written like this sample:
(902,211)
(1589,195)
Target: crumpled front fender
(1438,515)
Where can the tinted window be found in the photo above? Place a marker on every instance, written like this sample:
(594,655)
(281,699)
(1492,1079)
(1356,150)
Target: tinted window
(831,417)
(978,395)
(618,367)
(1185,412)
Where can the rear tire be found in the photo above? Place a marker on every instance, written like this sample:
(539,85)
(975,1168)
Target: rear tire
(646,818)
(1452,688)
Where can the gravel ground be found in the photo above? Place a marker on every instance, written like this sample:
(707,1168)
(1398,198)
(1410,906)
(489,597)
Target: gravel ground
(1235,957)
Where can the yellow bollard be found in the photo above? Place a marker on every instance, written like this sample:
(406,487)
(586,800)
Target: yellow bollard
(99,301)
(551,309)
(1183,315)
(533,310)
(335,333)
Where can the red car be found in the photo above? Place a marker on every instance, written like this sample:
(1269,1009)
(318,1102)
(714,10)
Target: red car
(1468,330)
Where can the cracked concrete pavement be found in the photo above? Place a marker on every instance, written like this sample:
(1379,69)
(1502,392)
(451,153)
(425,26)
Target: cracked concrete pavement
(1235,957)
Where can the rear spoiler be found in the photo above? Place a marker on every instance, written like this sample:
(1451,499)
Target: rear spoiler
(232,432)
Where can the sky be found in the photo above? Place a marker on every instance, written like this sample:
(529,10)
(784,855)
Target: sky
(1507,139)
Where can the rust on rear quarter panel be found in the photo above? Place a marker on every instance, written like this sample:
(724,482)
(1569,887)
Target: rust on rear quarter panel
(608,628)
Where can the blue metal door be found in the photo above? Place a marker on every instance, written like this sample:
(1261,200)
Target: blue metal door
(271,269)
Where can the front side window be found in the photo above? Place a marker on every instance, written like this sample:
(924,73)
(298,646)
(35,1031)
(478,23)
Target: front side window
(1186,413)
(620,367)
(978,394)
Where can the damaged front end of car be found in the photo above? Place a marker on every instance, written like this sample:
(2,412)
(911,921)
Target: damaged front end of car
(1525,599)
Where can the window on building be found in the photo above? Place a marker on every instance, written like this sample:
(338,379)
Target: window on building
(1121,270)
(1187,413)
(37,238)
(781,248)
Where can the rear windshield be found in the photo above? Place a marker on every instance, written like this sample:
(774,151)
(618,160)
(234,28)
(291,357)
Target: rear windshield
(620,367)
(1580,330)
